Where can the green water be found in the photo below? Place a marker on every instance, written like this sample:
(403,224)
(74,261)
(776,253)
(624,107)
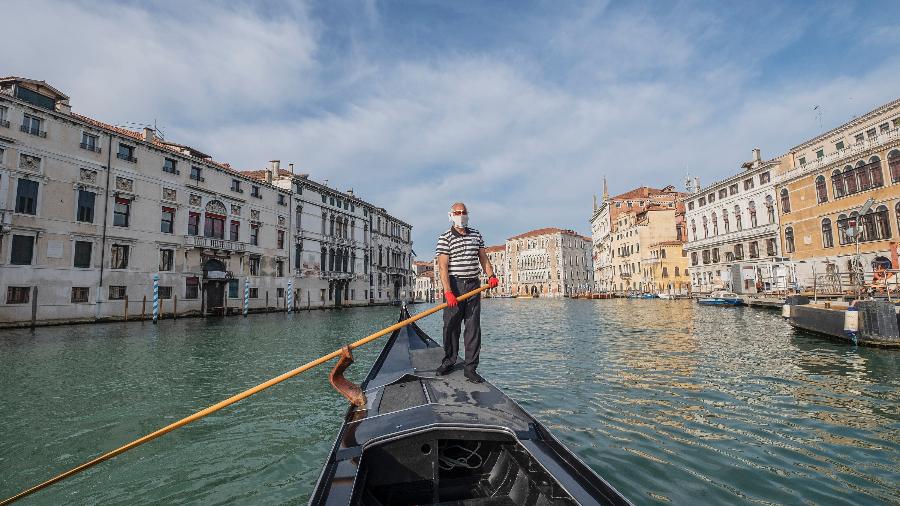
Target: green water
(670,402)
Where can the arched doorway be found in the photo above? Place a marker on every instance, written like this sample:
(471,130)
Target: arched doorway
(534,291)
(215,278)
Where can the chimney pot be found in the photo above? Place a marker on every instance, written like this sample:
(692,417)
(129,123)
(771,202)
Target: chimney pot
(149,134)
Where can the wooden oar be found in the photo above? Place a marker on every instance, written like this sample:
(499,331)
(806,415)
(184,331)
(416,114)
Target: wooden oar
(233,399)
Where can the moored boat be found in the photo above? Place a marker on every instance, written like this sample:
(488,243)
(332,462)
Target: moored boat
(721,298)
(418,438)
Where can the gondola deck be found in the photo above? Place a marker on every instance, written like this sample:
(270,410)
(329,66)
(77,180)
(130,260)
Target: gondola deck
(423,439)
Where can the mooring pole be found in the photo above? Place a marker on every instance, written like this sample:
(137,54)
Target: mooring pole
(144,307)
(246,296)
(34,307)
(290,297)
(155,298)
(126,308)
(175,308)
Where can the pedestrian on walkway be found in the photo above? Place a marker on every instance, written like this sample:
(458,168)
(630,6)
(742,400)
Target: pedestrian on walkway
(461,256)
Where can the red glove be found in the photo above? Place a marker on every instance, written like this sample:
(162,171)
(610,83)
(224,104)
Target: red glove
(451,299)
(493,281)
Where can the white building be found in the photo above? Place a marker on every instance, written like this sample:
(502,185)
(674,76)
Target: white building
(733,222)
(90,213)
(549,262)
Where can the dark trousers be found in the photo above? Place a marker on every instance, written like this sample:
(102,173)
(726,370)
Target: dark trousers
(468,310)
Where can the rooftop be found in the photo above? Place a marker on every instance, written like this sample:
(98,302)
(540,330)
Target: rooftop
(546,231)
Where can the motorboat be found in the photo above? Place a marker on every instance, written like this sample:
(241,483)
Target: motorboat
(721,298)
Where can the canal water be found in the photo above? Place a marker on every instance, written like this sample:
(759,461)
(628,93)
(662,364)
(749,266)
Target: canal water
(670,402)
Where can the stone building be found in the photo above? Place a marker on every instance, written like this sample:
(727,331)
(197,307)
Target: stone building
(92,212)
(734,222)
(634,232)
(424,287)
(666,268)
(497,256)
(549,262)
(827,179)
(605,217)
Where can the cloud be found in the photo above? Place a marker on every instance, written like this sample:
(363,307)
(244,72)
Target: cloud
(523,131)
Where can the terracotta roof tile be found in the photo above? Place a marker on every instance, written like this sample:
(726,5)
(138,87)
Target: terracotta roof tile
(545,231)
(492,249)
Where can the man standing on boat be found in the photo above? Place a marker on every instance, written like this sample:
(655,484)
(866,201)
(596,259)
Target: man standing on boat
(460,250)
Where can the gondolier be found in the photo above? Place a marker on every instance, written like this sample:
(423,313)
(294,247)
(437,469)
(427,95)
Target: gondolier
(461,256)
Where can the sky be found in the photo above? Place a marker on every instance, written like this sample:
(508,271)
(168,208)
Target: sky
(517,109)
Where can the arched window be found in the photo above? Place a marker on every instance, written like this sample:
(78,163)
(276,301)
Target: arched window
(850,180)
(894,165)
(694,229)
(738,251)
(754,249)
(875,173)
(837,184)
(827,238)
(856,227)
(705,228)
(725,220)
(770,209)
(843,225)
(715,224)
(676,271)
(694,253)
(863,175)
(751,209)
(331,260)
(785,201)
(821,189)
(331,225)
(882,223)
(737,216)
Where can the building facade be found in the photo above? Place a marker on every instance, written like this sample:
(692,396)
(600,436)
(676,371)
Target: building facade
(666,268)
(634,232)
(497,256)
(92,213)
(549,262)
(734,222)
(826,182)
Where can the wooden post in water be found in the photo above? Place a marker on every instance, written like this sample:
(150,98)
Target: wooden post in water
(144,307)
(175,307)
(267,301)
(308,301)
(162,308)
(126,308)
(34,296)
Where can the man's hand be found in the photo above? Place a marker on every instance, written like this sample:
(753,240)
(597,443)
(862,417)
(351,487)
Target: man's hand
(451,299)
(493,281)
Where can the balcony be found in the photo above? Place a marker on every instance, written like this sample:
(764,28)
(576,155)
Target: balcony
(126,157)
(33,131)
(89,147)
(213,243)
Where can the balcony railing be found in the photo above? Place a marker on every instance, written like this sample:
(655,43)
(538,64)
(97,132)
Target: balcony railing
(126,157)
(213,243)
(851,151)
(90,147)
(33,131)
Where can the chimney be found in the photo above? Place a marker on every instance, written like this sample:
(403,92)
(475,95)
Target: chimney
(696,185)
(272,173)
(350,192)
(63,106)
(757,158)
(291,165)
(149,134)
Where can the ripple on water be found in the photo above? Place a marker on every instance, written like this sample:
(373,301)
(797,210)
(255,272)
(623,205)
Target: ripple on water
(671,402)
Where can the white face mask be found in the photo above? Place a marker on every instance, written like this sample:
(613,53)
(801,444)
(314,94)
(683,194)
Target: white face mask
(459,220)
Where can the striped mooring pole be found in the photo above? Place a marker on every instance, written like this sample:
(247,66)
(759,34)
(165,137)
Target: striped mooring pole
(246,296)
(290,297)
(155,297)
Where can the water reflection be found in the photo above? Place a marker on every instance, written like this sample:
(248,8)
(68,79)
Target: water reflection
(669,401)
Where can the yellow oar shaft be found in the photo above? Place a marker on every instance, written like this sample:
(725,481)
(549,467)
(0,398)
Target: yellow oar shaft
(233,399)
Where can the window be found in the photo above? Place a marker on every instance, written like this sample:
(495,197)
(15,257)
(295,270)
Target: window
(166,259)
(715,224)
(821,189)
(193,223)
(882,223)
(748,184)
(165,292)
(700,202)
(827,238)
(280,236)
(770,247)
(298,256)
(279,268)
(754,249)
(690,206)
(764,178)
(167,221)
(236,186)
(234,231)
(126,153)
(751,210)
(789,240)
(820,154)
(875,175)
(214,226)
(858,138)
(802,161)
(711,198)
(122,212)
(18,295)
(331,200)
(85,206)
(254,266)
(233,288)
(706,256)
(116,292)
(26,196)
(80,294)
(89,142)
(4,120)
(254,191)
(32,125)
(839,146)
(324,199)
(119,258)
(785,201)
(83,250)
(282,200)
(844,232)
(894,165)
(22,250)
(192,287)
(715,255)
(884,128)
(738,251)
(279,292)
(197,173)
(722,194)
(254,293)
(871,133)
(665,272)
(837,184)
(169,166)
(254,235)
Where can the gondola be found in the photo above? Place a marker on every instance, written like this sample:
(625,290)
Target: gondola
(424,439)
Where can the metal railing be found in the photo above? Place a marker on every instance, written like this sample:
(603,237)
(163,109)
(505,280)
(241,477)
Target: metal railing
(213,243)
(90,147)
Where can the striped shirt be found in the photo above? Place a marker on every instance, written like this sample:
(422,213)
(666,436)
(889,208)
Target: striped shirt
(462,250)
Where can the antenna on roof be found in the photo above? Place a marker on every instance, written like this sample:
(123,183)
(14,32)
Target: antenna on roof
(818,111)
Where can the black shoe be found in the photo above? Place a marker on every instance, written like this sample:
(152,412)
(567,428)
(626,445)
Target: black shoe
(473,376)
(444,369)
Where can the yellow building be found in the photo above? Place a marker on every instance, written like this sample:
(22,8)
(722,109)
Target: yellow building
(634,235)
(666,269)
(829,178)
